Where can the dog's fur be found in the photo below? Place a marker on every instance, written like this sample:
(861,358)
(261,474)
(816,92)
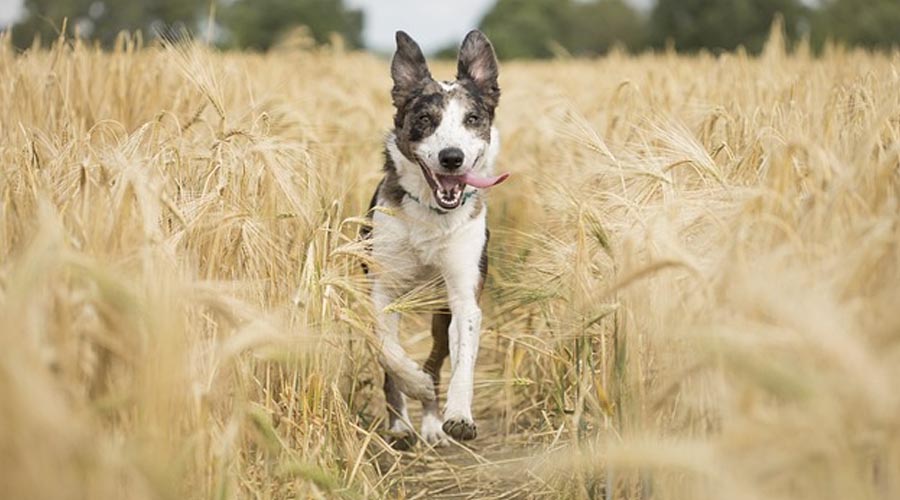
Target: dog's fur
(430,230)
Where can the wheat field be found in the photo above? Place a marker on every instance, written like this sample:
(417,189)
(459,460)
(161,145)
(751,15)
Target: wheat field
(694,288)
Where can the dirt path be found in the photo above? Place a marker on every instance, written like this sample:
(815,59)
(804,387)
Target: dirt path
(499,463)
(492,466)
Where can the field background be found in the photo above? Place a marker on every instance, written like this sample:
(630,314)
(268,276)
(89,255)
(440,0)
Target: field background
(694,286)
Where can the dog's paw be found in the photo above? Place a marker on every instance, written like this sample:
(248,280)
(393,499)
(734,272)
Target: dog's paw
(460,428)
(400,435)
(401,440)
(432,432)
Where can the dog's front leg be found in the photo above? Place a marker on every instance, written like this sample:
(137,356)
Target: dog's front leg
(402,376)
(386,326)
(462,276)
(465,329)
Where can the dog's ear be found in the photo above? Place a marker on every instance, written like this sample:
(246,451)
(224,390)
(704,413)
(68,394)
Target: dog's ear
(478,64)
(408,68)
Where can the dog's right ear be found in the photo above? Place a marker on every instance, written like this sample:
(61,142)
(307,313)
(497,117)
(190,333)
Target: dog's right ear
(408,68)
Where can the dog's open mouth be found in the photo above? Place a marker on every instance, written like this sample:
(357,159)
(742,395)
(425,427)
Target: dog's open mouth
(448,189)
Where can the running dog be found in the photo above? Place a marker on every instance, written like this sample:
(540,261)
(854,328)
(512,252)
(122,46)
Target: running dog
(438,162)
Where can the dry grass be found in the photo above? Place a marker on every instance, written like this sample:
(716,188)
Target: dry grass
(694,290)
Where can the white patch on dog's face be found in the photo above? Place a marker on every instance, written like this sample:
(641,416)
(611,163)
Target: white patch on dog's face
(453,133)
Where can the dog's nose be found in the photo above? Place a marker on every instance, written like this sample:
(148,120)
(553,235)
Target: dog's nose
(451,158)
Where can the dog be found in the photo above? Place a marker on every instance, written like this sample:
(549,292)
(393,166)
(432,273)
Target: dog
(438,162)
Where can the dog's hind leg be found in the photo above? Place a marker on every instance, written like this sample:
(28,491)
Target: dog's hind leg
(440,348)
(401,435)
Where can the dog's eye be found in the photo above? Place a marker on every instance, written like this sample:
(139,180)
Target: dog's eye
(473,119)
(424,120)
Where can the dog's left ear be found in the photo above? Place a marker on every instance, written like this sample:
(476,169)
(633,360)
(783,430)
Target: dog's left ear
(478,63)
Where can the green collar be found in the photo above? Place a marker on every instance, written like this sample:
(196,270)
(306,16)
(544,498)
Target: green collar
(466,196)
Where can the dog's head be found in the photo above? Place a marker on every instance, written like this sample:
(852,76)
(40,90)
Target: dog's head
(445,127)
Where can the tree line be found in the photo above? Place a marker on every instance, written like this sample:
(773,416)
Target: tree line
(518,28)
(541,28)
(239,24)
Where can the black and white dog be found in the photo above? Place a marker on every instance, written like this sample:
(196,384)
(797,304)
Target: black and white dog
(438,161)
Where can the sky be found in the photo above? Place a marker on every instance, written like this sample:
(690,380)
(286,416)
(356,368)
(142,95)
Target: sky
(9,11)
(434,24)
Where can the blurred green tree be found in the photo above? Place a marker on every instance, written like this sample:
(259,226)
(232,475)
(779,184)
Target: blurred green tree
(598,26)
(526,28)
(541,28)
(258,24)
(722,24)
(103,20)
(867,23)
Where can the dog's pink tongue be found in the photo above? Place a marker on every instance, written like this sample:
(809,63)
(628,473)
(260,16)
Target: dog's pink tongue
(483,182)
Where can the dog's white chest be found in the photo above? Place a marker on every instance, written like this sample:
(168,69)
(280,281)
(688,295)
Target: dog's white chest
(432,237)
(416,240)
